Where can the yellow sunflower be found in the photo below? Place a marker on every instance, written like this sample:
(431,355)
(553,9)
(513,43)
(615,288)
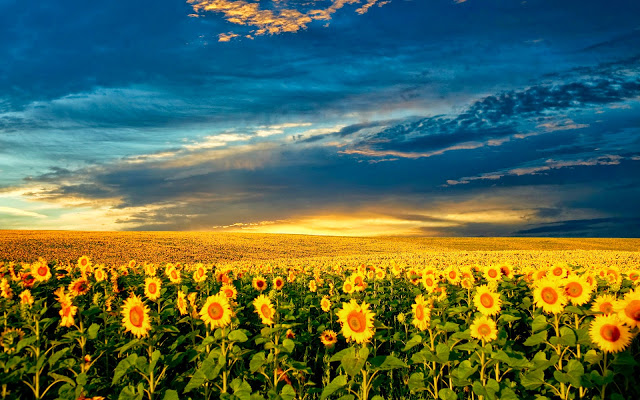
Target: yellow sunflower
(421,313)
(216,311)
(492,273)
(259,283)
(629,309)
(329,338)
(356,321)
(26,297)
(265,309)
(5,289)
(359,282)
(484,328)
(229,291)
(181,302)
(634,277)
(548,294)
(150,269)
(429,282)
(325,304)
(507,270)
(380,273)
(67,313)
(40,270)
(559,271)
(604,304)
(135,317)
(79,286)
(313,286)
(487,301)
(200,274)
(84,263)
(152,288)
(99,274)
(174,275)
(278,282)
(348,287)
(453,275)
(577,290)
(609,333)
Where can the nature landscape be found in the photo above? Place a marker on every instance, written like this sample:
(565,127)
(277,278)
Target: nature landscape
(320,199)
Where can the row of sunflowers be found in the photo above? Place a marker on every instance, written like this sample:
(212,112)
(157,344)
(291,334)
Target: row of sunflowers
(397,330)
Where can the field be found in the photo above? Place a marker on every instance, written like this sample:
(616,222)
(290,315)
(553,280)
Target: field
(245,316)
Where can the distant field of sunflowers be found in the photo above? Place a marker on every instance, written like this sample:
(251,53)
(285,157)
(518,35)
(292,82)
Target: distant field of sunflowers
(413,320)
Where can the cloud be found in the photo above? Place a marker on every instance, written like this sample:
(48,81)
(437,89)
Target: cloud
(276,20)
(19,212)
(602,227)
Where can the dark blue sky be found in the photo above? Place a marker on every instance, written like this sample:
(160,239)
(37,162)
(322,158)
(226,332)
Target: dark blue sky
(344,117)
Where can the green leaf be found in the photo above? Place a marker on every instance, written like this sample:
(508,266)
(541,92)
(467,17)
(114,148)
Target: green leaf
(462,335)
(416,382)
(130,393)
(171,395)
(574,310)
(539,323)
(238,336)
(257,361)
(353,364)
(575,370)
(532,379)
(62,378)
(451,327)
(508,318)
(288,344)
(424,355)
(567,336)
(442,352)
(337,383)
(385,363)
(536,339)
(414,341)
(593,357)
(93,331)
(124,366)
(462,373)
(155,356)
(625,359)
(508,394)
(203,373)
(128,346)
(338,356)
(288,393)
(25,342)
(56,356)
(447,394)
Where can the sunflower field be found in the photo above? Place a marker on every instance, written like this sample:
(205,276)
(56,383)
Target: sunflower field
(404,328)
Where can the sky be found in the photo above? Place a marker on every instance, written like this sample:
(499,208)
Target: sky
(330,117)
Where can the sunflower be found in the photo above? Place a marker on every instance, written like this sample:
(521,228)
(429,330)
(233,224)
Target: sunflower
(278,282)
(487,301)
(380,273)
(229,291)
(540,274)
(259,283)
(132,263)
(181,302)
(150,269)
(453,275)
(548,294)
(40,270)
(577,290)
(559,271)
(484,328)
(356,321)
(313,286)
(5,289)
(79,286)
(10,338)
(609,333)
(429,282)
(358,280)
(629,309)
(421,313)
(174,275)
(99,274)
(26,297)
(200,274)
(634,277)
(61,296)
(348,286)
(325,304)
(135,317)
(492,273)
(604,304)
(290,334)
(216,311)
(265,309)
(329,338)
(613,277)
(84,263)
(152,288)
(67,312)
(506,270)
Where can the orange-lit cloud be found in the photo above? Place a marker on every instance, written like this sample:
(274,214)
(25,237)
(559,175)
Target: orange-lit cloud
(276,20)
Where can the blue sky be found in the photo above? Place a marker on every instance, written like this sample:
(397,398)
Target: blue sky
(346,117)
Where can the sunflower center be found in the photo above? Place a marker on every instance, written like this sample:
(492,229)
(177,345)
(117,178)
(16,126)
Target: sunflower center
(83,262)
(634,276)
(136,316)
(549,295)
(42,271)
(215,311)
(606,308)
(573,289)
(429,282)
(266,310)
(633,310)
(484,329)
(356,321)
(260,284)
(228,293)
(493,273)
(174,275)
(420,312)
(452,275)
(153,287)
(610,333)
(557,271)
(66,311)
(486,300)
